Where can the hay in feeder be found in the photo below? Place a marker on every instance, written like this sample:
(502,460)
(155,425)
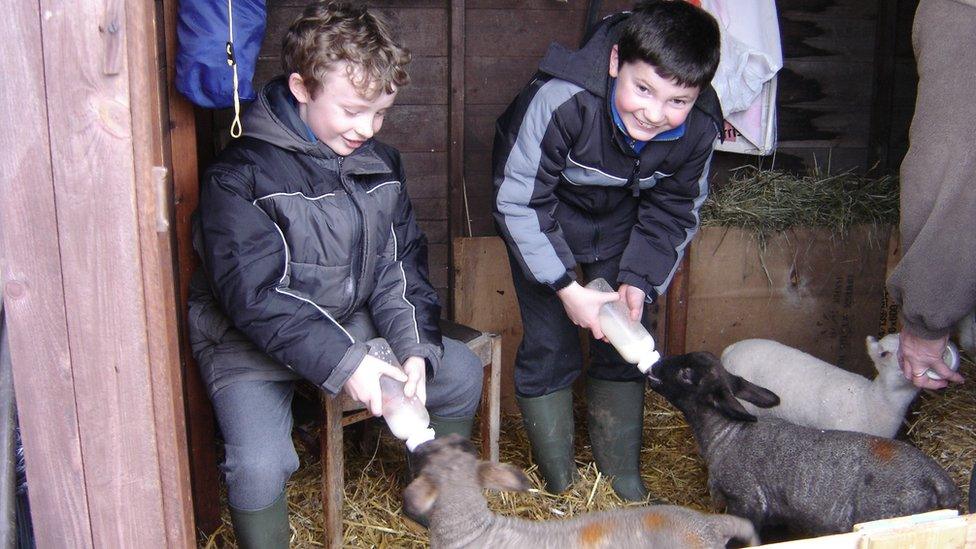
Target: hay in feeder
(769,201)
(943,425)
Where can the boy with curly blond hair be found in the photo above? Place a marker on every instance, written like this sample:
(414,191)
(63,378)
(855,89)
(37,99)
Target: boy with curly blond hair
(310,248)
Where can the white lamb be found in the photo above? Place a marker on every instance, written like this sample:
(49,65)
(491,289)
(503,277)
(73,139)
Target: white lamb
(817,394)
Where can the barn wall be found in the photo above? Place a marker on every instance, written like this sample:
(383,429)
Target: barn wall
(846,92)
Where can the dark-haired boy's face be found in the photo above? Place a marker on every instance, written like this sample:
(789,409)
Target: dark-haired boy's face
(648,104)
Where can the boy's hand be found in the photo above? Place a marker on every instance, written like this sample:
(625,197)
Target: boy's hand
(364,384)
(633,297)
(416,370)
(583,305)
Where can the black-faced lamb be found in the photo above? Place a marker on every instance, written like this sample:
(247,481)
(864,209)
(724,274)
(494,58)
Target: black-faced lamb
(448,491)
(774,472)
(817,394)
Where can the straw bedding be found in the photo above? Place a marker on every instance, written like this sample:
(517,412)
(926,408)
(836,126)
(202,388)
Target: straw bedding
(942,425)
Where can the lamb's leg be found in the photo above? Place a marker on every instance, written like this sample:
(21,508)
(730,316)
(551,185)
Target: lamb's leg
(733,527)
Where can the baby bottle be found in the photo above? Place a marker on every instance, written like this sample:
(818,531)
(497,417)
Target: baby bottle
(950,356)
(629,337)
(407,417)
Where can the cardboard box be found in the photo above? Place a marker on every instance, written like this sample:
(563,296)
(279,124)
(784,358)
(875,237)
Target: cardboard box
(809,289)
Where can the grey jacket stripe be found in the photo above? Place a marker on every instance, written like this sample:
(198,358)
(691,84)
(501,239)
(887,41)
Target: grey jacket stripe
(403,295)
(284,274)
(690,233)
(581,174)
(383,185)
(515,191)
(272,195)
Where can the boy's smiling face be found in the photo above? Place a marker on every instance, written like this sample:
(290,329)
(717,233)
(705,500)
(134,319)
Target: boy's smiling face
(647,103)
(340,115)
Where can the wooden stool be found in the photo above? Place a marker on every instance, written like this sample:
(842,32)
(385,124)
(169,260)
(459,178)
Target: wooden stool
(341,410)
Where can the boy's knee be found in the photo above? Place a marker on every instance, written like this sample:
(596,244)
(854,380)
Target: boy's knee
(257,476)
(462,373)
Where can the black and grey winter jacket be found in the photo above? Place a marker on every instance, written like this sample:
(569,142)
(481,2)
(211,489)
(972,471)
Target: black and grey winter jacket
(294,239)
(569,189)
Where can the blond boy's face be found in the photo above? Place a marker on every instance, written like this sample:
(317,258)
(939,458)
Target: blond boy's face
(648,104)
(340,115)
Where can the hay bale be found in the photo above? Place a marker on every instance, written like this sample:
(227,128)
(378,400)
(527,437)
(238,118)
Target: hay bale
(765,202)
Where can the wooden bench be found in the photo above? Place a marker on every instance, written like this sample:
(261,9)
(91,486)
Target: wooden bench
(340,411)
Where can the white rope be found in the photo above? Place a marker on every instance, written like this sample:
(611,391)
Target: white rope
(235,128)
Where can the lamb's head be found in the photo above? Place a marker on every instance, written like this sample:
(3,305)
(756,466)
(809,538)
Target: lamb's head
(453,462)
(884,355)
(698,380)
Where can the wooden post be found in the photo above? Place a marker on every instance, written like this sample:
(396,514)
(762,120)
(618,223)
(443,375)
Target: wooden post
(332,469)
(185,184)
(676,311)
(456,212)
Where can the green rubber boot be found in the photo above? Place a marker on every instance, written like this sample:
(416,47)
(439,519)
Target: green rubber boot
(444,426)
(262,529)
(615,417)
(548,421)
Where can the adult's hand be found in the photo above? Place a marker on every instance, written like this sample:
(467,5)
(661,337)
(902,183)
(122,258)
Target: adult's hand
(583,306)
(918,356)
(416,370)
(364,384)
(633,297)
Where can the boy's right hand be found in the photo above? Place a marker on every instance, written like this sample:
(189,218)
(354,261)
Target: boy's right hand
(364,384)
(583,306)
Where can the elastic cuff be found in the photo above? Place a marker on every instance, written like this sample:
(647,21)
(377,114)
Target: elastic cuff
(427,351)
(923,332)
(562,282)
(345,368)
(624,277)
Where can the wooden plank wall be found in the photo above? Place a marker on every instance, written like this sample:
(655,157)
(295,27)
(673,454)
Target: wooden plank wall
(89,293)
(826,92)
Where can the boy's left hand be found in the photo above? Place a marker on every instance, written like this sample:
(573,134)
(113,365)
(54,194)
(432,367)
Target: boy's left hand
(416,370)
(633,297)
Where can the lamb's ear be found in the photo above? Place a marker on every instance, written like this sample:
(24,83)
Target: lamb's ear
(725,402)
(873,348)
(502,476)
(419,496)
(750,392)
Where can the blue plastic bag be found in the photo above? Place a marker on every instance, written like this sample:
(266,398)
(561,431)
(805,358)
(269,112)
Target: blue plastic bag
(207,52)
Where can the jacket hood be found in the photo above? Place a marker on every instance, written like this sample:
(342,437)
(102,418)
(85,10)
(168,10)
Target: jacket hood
(273,118)
(588,67)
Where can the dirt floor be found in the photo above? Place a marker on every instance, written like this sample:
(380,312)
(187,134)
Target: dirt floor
(942,425)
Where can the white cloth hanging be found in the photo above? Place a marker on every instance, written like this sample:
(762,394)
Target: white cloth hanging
(751,57)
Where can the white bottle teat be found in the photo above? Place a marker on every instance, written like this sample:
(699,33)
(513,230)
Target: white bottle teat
(407,417)
(629,337)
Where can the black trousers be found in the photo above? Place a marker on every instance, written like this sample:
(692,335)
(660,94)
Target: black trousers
(550,356)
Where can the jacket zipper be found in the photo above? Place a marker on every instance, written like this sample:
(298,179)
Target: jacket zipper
(350,188)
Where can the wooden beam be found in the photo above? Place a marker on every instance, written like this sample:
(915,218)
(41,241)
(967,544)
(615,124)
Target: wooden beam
(457,212)
(185,180)
(153,192)
(883,85)
(676,310)
(33,292)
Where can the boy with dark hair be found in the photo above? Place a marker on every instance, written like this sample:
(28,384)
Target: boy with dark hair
(310,248)
(601,162)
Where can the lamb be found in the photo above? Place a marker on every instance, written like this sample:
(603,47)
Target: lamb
(448,491)
(814,393)
(774,472)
